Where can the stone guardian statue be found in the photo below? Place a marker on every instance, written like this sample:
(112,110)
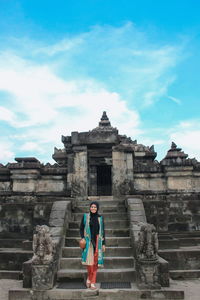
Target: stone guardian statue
(147,258)
(42,246)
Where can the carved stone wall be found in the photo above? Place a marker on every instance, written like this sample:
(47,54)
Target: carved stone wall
(122,173)
(18,219)
(134,172)
(80,175)
(173,212)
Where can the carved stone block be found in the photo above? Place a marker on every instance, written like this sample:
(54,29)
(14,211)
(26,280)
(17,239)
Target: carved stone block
(42,277)
(148,274)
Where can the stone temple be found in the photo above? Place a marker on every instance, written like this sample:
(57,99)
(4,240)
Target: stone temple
(145,203)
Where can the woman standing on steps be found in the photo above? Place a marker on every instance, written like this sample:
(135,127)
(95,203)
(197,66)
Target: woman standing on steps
(92,231)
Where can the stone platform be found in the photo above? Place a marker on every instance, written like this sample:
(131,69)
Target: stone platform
(134,293)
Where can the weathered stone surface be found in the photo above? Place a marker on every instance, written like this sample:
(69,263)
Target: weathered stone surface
(148,276)
(56,222)
(5,186)
(56,231)
(180,259)
(169,189)
(42,277)
(15,220)
(43,247)
(60,205)
(47,243)
(122,173)
(147,245)
(79,177)
(53,184)
(27,274)
(133,170)
(13,258)
(57,214)
(152,270)
(163,270)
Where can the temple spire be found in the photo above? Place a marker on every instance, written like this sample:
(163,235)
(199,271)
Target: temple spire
(105,125)
(104,120)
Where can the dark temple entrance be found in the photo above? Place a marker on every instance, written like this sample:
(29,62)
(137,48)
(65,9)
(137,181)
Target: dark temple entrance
(104,182)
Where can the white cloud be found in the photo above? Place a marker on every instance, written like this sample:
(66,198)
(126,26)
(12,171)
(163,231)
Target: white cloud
(59,88)
(45,106)
(187,136)
(31,146)
(7,115)
(6,153)
(174,99)
(62,46)
(152,141)
(124,59)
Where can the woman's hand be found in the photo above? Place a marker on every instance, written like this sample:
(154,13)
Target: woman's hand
(103,248)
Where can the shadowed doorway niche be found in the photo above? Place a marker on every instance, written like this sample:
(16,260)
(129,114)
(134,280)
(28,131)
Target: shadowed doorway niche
(104,182)
(100,171)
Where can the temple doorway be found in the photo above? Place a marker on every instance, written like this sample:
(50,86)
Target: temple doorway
(104,180)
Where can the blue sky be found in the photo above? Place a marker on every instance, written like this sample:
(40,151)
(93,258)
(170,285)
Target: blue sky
(64,62)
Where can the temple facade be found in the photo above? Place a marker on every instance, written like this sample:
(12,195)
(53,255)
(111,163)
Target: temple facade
(103,162)
(151,211)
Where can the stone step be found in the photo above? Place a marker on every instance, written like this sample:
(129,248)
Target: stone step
(14,235)
(109,263)
(107,216)
(11,243)
(168,243)
(189,241)
(108,232)
(185,258)
(184,274)
(100,294)
(110,241)
(179,242)
(108,224)
(100,198)
(103,275)
(179,239)
(102,210)
(184,234)
(110,251)
(6,274)
(12,258)
(102,203)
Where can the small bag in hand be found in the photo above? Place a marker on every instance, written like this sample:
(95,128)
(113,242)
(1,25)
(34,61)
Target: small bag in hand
(82,243)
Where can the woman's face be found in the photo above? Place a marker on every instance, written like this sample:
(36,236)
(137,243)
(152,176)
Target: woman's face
(93,208)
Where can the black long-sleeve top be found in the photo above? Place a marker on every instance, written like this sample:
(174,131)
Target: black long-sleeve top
(82,230)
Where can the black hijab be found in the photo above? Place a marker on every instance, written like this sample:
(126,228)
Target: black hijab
(94,223)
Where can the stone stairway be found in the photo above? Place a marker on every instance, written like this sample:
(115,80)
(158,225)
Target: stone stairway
(182,251)
(12,256)
(119,261)
(118,266)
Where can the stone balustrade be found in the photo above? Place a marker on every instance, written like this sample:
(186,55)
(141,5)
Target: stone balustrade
(58,223)
(137,219)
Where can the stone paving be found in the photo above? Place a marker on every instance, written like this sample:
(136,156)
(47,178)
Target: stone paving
(5,285)
(191,288)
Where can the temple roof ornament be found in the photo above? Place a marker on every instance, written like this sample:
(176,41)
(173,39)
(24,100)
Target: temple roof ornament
(175,156)
(174,147)
(175,152)
(104,124)
(104,120)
